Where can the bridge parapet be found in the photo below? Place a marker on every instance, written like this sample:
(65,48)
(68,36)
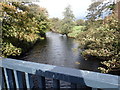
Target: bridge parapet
(20,74)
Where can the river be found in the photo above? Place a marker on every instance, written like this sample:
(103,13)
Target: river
(60,50)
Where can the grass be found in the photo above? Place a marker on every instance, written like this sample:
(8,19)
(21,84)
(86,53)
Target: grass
(76,30)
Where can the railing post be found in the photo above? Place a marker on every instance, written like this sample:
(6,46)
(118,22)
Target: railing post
(16,79)
(6,77)
(41,82)
(74,86)
(27,81)
(0,78)
(56,84)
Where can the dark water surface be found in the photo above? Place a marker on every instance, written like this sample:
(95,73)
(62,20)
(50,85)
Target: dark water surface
(61,51)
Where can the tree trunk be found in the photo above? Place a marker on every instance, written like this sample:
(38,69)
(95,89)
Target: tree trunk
(118,9)
(66,35)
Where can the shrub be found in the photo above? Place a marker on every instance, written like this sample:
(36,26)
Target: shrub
(103,43)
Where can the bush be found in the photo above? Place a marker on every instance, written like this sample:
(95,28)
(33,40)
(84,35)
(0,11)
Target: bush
(22,26)
(103,43)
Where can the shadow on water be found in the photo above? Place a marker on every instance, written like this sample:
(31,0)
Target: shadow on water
(59,50)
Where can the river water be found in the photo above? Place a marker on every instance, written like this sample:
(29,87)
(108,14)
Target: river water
(59,50)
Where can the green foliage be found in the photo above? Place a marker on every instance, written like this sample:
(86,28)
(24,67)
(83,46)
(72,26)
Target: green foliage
(80,22)
(103,43)
(9,50)
(65,25)
(22,27)
(68,21)
(55,24)
(75,31)
(97,10)
(100,39)
(93,11)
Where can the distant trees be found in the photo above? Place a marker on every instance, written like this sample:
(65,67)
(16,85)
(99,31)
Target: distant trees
(65,25)
(55,24)
(68,21)
(80,22)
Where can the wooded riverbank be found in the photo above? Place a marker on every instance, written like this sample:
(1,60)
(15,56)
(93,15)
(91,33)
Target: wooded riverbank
(23,25)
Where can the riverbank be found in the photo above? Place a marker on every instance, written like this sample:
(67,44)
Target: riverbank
(74,33)
(22,27)
(27,46)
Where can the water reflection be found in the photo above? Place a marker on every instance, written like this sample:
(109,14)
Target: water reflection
(59,50)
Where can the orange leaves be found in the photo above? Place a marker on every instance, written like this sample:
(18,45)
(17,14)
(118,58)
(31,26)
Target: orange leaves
(8,7)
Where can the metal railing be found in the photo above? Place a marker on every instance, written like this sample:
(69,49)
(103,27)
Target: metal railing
(29,75)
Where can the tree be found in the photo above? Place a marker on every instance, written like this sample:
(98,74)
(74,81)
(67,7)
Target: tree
(80,22)
(99,9)
(102,42)
(55,24)
(93,11)
(68,21)
(41,16)
(21,28)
